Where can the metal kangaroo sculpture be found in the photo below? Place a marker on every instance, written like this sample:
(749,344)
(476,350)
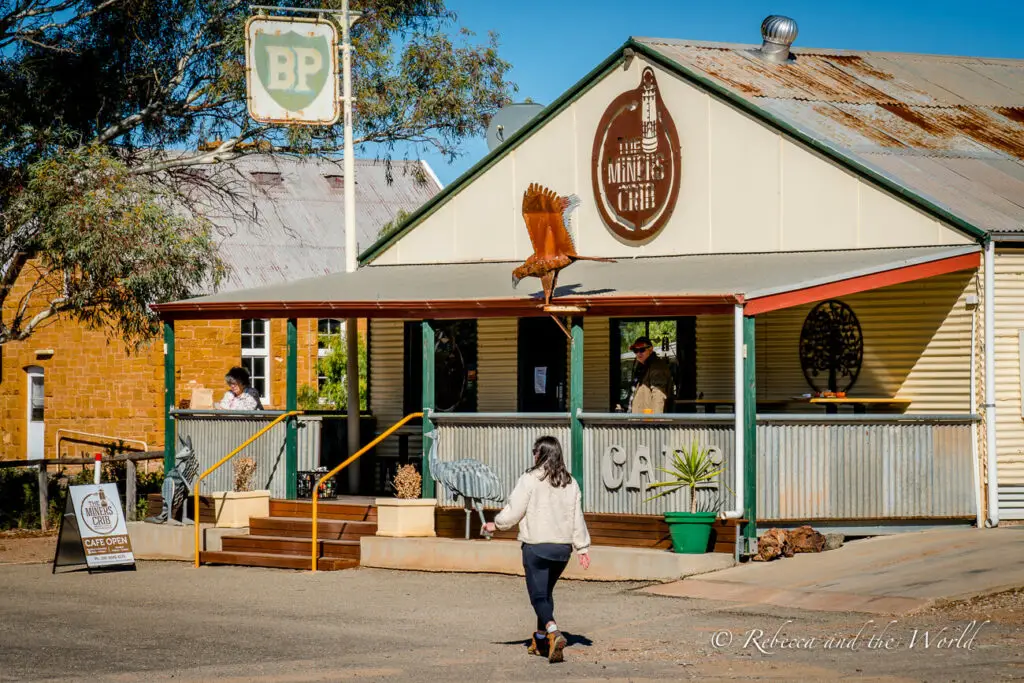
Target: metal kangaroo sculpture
(178,483)
(471,479)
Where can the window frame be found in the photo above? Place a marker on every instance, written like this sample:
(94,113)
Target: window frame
(686,349)
(322,351)
(253,353)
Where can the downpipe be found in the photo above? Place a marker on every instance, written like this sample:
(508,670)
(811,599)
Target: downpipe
(738,391)
(990,385)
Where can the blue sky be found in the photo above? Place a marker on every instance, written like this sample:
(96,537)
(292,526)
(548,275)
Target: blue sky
(553,43)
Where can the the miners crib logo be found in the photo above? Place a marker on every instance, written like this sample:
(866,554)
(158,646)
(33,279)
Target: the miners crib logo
(636,162)
(292,70)
(98,513)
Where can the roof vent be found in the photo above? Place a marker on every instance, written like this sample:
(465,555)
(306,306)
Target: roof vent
(779,33)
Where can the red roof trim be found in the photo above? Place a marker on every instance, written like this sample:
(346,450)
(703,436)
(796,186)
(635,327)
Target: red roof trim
(897,276)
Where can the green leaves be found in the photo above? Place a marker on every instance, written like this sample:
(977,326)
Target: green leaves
(109,244)
(333,366)
(689,468)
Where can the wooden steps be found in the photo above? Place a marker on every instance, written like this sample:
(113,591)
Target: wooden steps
(284,539)
(275,561)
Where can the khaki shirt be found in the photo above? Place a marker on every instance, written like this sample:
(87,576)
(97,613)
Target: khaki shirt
(655,387)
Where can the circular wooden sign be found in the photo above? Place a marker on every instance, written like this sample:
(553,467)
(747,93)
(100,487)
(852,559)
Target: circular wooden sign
(636,165)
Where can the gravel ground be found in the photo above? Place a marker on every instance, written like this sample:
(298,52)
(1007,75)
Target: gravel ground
(169,620)
(27,545)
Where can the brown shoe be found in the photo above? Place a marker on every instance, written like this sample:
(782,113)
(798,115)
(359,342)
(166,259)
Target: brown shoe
(538,647)
(556,643)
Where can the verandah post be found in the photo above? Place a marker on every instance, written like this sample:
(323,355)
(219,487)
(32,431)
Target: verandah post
(576,400)
(749,433)
(168,395)
(427,348)
(291,439)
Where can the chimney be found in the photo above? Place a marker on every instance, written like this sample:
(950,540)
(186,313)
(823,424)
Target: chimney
(779,33)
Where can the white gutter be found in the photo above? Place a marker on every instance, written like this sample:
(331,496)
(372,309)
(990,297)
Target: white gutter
(738,361)
(990,384)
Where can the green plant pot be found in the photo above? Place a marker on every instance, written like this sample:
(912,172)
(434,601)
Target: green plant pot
(690,531)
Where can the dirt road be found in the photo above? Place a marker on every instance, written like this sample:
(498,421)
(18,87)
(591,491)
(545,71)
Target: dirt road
(169,620)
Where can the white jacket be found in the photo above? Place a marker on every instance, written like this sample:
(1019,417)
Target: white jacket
(545,514)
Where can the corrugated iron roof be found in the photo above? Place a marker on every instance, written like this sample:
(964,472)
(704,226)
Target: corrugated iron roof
(286,221)
(651,279)
(950,129)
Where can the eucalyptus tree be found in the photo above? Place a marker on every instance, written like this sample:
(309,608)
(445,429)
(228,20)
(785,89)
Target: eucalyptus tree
(118,118)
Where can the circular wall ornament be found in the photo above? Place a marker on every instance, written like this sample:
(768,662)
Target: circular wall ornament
(635,165)
(450,372)
(831,347)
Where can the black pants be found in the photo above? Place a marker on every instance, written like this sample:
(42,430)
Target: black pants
(543,564)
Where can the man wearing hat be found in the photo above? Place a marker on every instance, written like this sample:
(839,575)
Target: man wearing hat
(652,379)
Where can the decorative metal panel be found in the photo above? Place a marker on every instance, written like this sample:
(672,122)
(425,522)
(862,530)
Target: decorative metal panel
(214,435)
(820,468)
(623,456)
(504,442)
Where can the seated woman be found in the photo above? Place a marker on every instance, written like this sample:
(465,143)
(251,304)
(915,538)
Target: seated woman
(240,395)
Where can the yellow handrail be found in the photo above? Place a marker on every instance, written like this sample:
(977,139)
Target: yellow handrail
(352,458)
(224,460)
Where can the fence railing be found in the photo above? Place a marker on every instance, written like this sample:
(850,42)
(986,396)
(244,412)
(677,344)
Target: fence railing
(131,476)
(809,467)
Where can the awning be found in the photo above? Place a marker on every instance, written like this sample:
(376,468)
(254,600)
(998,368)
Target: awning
(656,286)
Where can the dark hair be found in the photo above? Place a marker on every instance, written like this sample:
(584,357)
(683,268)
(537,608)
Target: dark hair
(240,375)
(548,453)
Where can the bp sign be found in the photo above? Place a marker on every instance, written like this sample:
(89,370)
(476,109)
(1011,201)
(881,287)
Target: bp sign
(291,68)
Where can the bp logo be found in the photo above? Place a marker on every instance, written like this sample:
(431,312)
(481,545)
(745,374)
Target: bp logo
(291,70)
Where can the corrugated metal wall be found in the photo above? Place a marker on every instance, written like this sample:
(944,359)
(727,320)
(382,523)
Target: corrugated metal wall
(214,436)
(504,445)
(497,368)
(916,345)
(596,359)
(864,470)
(386,377)
(612,446)
(1009,279)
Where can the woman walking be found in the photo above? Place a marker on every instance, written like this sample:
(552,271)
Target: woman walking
(547,507)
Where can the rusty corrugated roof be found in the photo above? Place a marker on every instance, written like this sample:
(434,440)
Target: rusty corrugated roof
(950,129)
(287,219)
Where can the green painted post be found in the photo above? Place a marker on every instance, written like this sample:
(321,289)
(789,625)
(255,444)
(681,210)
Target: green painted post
(168,395)
(291,443)
(576,400)
(749,431)
(427,329)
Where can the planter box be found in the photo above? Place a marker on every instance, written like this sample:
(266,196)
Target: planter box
(232,509)
(405,517)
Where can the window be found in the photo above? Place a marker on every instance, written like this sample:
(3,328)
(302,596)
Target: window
(454,366)
(328,331)
(674,339)
(267,178)
(256,354)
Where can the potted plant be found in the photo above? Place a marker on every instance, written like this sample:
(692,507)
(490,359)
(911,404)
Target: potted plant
(691,468)
(232,509)
(406,515)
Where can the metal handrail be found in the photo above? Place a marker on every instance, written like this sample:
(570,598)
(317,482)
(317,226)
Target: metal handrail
(223,460)
(352,458)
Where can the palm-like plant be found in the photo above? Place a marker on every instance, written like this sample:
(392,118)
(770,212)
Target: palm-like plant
(689,468)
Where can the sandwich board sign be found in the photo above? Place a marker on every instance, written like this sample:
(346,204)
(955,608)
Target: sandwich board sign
(93,530)
(291,70)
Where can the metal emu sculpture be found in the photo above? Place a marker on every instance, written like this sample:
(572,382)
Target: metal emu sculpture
(178,484)
(471,479)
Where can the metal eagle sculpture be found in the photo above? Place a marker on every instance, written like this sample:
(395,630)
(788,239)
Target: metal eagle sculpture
(471,479)
(553,249)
